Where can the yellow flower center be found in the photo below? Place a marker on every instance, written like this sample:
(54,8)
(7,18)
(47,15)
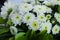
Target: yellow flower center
(39,8)
(46,27)
(17,17)
(25,6)
(41,17)
(48,16)
(34,24)
(28,17)
(56,30)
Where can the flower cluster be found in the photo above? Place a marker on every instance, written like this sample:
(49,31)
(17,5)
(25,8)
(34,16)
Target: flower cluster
(36,15)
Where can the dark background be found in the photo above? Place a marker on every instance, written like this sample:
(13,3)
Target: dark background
(2,3)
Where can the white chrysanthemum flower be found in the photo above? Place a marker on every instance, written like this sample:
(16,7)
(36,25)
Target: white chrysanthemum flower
(57,16)
(39,9)
(46,26)
(48,16)
(34,25)
(41,17)
(55,29)
(25,7)
(16,18)
(6,9)
(13,30)
(4,15)
(28,17)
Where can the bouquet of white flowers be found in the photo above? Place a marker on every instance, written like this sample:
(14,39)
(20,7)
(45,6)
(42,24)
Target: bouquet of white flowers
(30,20)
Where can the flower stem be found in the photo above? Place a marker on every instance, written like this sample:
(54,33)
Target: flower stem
(36,2)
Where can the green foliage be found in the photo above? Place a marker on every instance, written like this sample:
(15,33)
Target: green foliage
(31,35)
(9,11)
(44,36)
(9,22)
(5,36)
(59,9)
(3,29)
(20,36)
(12,38)
(2,20)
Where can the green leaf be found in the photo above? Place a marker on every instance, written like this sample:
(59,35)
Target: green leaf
(9,11)
(19,29)
(31,35)
(5,36)
(28,33)
(43,32)
(11,38)
(20,36)
(3,29)
(59,9)
(9,22)
(50,37)
(44,36)
(2,20)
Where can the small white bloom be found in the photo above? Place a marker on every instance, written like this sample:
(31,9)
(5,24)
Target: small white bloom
(55,29)
(57,16)
(46,26)
(8,7)
(16,18)
(4,14)
(48,16)
(13,30)
(39,9)
(28,17)
(25,7)
(41,18)
(34,25)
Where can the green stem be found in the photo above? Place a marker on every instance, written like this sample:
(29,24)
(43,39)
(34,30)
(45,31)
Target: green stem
(36,2)
(32,32)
